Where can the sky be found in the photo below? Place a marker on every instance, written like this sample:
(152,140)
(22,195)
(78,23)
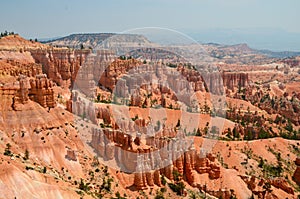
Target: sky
(271,24)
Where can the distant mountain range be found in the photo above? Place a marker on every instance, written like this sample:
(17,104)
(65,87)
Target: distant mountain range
(282,54)
(94,40)
(245,49)
(100,40)
(273,39)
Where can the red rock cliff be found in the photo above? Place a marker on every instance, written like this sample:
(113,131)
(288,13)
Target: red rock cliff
(60,65)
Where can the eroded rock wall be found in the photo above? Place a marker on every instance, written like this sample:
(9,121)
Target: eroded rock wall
(60,65)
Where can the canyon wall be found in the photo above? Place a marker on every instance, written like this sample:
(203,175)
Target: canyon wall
(125,150)
(38,90)
(41,91)
(15,68)
(235,80)
(60,65)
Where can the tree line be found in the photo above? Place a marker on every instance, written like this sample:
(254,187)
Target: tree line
(6,33)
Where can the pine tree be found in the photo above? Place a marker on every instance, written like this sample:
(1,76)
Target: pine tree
(26,157)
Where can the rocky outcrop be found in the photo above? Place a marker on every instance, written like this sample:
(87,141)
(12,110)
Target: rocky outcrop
(16,43)
(81,106)
(143,180)
(287,106)
(198,83)
(187,167)
(114,144)
(296,176)
(131,81)
(41,91)
(293,62)
(150,85)
(71,155)
(235,80)
(87,77)
(140,181)
(84,82)
(16,68)
(60,65)
(207,165)
(257,186)
(282,184)
(221,193)
(21,96)
(117,68)
(214,82)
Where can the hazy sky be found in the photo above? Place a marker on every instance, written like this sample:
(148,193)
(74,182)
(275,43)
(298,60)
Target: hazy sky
(42,19)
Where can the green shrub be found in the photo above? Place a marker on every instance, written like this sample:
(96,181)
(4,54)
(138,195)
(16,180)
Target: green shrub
(163,180)
(7,151)
(83,186)
(178,188)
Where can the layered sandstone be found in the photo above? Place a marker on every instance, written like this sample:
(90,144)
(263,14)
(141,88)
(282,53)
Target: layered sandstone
(81,106)
(41,91)
(234,80)
(117,68)
(214,82)
(17,43)
(16,68)
(71,155)
(257,186)
(285,105)
(141,159)
(38,89)
(60,65)
(296,176)
(21,96)
(282,184)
